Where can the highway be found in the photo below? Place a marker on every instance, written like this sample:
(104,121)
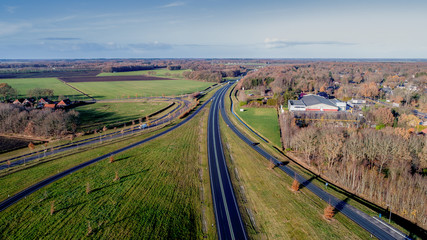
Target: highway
(15,198)
(377,228)
(229,223)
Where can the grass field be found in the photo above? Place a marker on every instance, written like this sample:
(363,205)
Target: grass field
(103,114)
(125,89)
(359,203)
(263,121)
(162,72)
(278,212)
(157,196)
(22,85)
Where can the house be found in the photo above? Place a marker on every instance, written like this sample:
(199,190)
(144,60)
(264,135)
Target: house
(64,103)
(50,105)
(28,102)
(18,101)
(43,101)
(316,103)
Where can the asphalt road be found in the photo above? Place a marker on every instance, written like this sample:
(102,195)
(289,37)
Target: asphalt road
(15,198)
(376,227)
(229,223)
(25,158)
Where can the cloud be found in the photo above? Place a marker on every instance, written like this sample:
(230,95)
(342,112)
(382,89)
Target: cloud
(150,46)
(12,28)
(281,43)
(59,39)
(11,9)
(173,4)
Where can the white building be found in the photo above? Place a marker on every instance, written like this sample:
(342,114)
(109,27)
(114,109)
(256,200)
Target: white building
(316,103)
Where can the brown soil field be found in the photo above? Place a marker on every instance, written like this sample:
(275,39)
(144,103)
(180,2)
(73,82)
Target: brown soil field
(112,78)
(59,74)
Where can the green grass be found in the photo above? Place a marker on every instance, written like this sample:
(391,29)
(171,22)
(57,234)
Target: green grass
(22,85)
(162,72)
(125,89)
(157,196)
(360,204)
(263,121)
(100,114)
(279,213)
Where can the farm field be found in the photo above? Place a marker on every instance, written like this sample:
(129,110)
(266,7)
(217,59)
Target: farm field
(280,213)
(162,72)
(22,85)
(157,196)
(112,78)
(125,89)
(264,121)
(103,114)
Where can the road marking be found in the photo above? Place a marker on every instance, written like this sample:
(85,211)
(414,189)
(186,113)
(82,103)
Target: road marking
(389,227)
(220,180)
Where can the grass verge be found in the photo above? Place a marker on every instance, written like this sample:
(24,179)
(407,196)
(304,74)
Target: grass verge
(270,208)
(156,197)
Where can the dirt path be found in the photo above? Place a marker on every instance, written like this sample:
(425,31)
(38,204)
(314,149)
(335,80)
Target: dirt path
(78,90)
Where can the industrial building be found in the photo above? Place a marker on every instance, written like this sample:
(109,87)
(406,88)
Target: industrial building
(316,103)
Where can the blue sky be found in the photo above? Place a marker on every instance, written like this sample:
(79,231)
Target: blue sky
(213,29)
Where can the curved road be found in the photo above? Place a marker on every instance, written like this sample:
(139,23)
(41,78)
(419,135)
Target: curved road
(25,158)
(376,227)
(15,198)
(229,223)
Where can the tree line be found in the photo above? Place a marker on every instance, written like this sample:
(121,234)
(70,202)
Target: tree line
(36,122)
(384,166)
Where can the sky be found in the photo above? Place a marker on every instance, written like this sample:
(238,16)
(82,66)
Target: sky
(46,29)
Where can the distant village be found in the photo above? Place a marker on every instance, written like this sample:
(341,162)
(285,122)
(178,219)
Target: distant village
(45,103)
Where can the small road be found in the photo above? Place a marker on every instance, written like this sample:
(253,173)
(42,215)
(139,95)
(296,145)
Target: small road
(376,227)
(229,223)
(15,198)
(25,158)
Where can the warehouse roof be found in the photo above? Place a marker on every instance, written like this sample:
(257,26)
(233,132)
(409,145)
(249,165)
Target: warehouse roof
(310,100)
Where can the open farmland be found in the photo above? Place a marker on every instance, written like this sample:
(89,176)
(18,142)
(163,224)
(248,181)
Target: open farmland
(53,74)
(22,85)
(112,78)
(157,196)
(101,114)
(162,72)
(125,89)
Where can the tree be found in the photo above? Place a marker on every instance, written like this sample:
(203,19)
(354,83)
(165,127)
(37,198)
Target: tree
(369,89)
(383,116)
(52,207)
(116,178)
(409,120)
(329,212)
(6,91)
(295,185)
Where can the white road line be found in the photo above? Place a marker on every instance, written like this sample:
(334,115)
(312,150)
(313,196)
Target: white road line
(389,227)
(220,180)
